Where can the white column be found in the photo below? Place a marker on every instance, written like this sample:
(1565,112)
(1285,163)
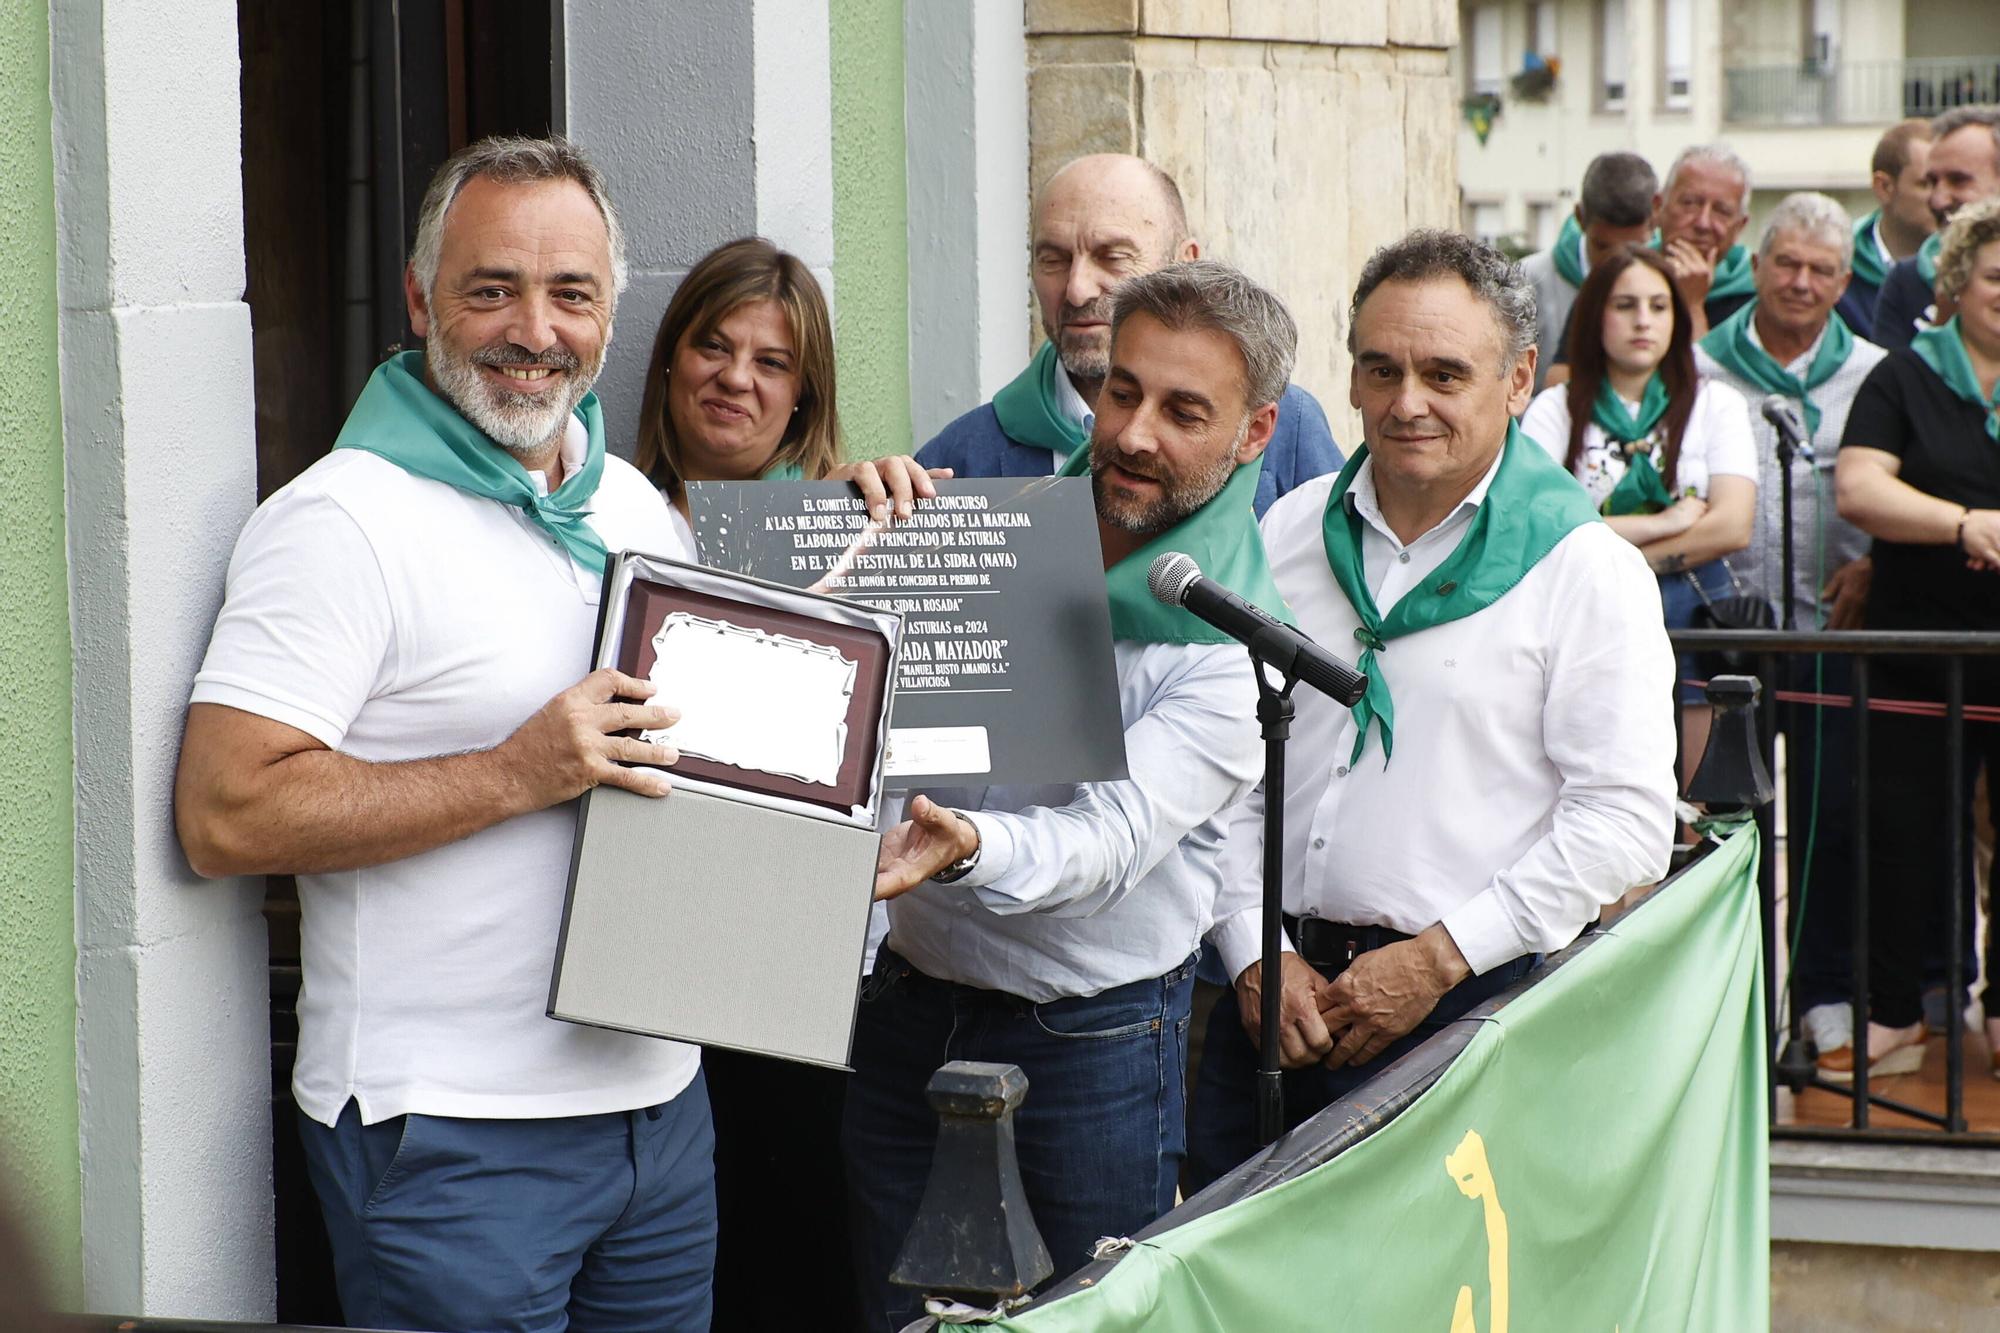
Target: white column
(173,1041)
(792,130)
(965,66)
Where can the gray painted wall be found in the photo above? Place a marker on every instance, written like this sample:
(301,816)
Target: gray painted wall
(661,96)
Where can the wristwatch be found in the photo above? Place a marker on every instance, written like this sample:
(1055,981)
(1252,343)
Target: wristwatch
(962,867)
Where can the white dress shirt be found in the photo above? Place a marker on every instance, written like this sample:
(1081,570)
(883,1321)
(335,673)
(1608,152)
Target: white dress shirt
(1533,776)
(1074,410)
(1080,888)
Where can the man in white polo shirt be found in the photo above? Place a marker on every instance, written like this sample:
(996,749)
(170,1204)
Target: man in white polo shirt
(390,709)
(1510,769)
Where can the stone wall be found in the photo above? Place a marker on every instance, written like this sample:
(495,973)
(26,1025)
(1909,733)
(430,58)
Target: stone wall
(1303,135)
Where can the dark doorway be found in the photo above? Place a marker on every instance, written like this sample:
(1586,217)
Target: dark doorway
(349,107)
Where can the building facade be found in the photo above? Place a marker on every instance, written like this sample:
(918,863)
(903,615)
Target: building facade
(1802,89)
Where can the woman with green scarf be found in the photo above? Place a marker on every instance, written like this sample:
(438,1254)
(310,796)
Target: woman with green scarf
(1919,470)
(1667,456)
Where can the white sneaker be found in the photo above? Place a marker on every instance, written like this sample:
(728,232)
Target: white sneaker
(1831,1026)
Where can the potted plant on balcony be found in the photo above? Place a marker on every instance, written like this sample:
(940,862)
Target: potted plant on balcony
(1536,80)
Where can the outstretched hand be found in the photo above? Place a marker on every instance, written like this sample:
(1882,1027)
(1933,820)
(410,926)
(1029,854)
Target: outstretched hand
(932,838)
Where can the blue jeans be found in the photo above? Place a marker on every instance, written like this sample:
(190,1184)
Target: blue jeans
(1224,1130)
(582,1222)
(1100,1136)
(1678,600)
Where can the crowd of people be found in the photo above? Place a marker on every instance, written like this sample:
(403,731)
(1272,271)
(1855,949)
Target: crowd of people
(1879,333)
(390,705)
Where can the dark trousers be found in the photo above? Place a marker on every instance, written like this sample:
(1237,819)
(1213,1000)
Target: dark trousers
(778,1173)
(1100,1136)
(1223,1128)
(1909,827)
(591,1222)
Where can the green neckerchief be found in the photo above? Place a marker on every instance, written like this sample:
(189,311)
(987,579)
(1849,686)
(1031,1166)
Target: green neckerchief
(1222,537)
(1730,343)
(398,418)
(1030,410)
(1568,252)
(1927,254)
(1732,275)
(1868,265)
(1943,350)
(1640,490)
(1532,504)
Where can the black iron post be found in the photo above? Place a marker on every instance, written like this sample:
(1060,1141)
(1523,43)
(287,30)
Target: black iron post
(974,1238)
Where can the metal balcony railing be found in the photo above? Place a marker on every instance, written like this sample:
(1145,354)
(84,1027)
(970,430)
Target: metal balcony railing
(1863,92)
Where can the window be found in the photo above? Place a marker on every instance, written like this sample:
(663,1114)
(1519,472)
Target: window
(1544,222)
(1612,55)
(1488,60)
(1542,27)
(1486,220)
(1676,52)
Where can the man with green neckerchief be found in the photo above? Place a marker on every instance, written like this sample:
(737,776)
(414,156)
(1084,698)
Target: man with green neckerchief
(1698,217)
(1613,209)
(1510,769)
(1792,341)
(1056,927)
(1963,167)
(1897,226)
(389,709)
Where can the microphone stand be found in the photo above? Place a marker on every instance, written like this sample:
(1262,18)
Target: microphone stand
(1274,712)
(1786,452)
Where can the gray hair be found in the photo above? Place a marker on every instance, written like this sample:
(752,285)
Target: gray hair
(1713,155)
(511,159)
(1618,189)
(1973,227)
(1493,278)
(1818,216)
(1959,117)
(1208,294)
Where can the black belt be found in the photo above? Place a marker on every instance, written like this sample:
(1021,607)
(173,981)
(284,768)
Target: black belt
(1331,945)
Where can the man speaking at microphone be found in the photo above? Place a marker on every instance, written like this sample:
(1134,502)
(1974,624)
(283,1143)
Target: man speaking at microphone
(1056,927)
(1510,768)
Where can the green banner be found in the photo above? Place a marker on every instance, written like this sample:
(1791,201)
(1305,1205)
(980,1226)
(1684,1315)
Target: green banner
(1594,1160)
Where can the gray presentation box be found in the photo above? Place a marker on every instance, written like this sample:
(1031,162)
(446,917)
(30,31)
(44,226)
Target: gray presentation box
(730,913)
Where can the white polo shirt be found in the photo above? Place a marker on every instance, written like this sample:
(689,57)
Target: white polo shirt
(396,618)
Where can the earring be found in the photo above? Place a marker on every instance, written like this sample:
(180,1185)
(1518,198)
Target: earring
(795,411)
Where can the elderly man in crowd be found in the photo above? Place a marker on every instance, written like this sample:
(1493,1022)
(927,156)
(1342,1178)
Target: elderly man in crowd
(1791,341)
(1614,208)
(1700,214)
(375,715)
(1963,167)
(1098,221)
(1510,770)
(1055,928)
(1897,226)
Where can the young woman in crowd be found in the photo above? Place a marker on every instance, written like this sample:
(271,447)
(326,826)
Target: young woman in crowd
(1919,470)
(1667,456)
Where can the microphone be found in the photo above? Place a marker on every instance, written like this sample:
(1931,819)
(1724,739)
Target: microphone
(1784,418)
(1177,580)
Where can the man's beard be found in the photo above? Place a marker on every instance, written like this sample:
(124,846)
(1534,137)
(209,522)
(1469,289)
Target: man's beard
(520,423)
(1088,363)
(1180,497)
